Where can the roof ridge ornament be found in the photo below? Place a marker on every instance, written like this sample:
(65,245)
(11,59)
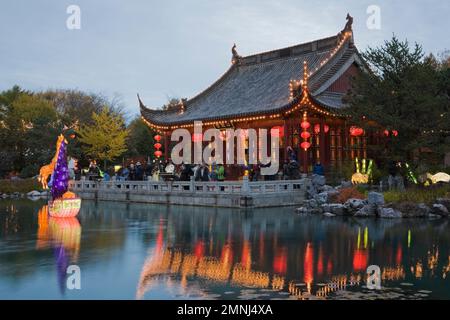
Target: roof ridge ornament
(348,30)
(236,57)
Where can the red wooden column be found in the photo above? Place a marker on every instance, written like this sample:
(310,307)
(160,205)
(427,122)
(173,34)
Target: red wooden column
(166,145)
(322,142)
(287,137)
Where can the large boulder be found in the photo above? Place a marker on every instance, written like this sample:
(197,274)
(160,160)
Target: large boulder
(445,202)
(311,203)
(346,184)
(375,198)
(337,209)
(322,197)
(318,180)
(367,210)
(302,211)
(329,214)
(413,210)
(325,188)
(352,205)
(33,194)
(439,209)
(388,213)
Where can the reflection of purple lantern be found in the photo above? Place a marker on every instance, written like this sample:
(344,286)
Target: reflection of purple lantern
(60,175)
(62,262)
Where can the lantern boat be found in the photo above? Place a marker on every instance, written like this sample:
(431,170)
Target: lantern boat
(63,203)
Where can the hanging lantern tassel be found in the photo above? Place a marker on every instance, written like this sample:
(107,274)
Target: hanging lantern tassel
(305,145)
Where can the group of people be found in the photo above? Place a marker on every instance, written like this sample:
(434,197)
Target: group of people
(201,172)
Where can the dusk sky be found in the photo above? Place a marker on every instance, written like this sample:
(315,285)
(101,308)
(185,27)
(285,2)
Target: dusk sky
(163,49)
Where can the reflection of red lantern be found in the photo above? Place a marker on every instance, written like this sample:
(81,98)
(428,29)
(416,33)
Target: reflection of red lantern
(394,133)
(326,128)
(305,145)
(360,259)
(158,146)
(157,137)
(356,131)
(277,131)
(280,261)
(305,125)
(158,153)
(305,135)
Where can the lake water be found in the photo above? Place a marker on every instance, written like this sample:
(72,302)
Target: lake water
(142,251)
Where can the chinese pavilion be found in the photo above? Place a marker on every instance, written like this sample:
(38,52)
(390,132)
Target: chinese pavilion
(298,89)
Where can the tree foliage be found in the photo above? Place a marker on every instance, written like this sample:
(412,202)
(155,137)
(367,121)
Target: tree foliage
(403,91)
(140,139)
(105,139)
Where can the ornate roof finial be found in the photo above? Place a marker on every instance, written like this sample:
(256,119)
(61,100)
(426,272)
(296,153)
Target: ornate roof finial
(236,57)
(348,25)
(347,32)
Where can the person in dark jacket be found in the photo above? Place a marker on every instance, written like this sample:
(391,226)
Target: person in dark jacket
(318,169)
(139,175)
(148,170)
(202,173)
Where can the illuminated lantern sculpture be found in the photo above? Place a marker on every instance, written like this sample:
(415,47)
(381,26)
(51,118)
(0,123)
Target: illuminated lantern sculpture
(326,128)
(356,131)
(305,134)
(394,133)
(386,133)
(157,146)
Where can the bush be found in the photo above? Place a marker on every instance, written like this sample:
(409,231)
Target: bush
(347,193)
(22,186)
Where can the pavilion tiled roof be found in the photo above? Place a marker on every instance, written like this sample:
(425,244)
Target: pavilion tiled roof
(259,84)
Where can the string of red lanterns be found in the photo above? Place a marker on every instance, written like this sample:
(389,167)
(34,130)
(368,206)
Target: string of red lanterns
(157,146)
(305,134)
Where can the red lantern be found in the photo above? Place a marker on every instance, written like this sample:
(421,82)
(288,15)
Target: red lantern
(157,137)
(158,153)
(326,128)
(197,137)
(277,131)
(386,133)
(305,145)
(158,146)
(356,131)
(305,135)
(305,125)
(394,133)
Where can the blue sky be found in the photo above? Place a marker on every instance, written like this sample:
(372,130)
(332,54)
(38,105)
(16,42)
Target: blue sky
(172,48)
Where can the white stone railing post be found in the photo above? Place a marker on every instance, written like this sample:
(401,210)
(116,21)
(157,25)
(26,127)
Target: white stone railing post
(192,184)
(245,185)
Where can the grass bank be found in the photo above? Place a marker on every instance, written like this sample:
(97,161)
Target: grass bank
(425,195)
(22,186)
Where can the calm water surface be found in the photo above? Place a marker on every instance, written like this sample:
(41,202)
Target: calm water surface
(139,251)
